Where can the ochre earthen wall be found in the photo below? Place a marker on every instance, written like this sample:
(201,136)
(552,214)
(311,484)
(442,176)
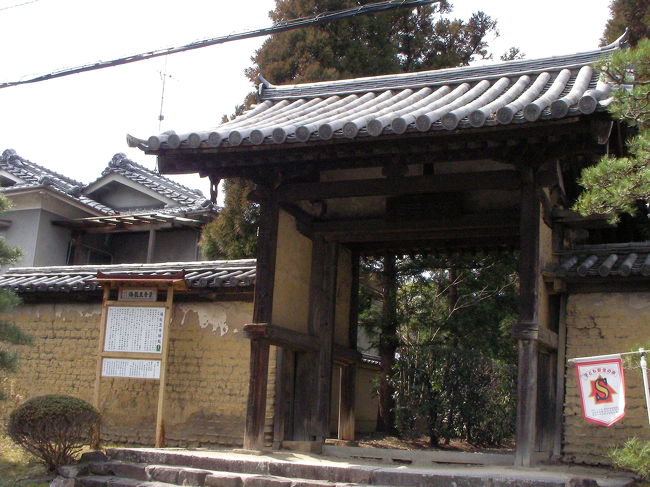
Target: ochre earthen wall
(598,324)
(207,379)
(292,273)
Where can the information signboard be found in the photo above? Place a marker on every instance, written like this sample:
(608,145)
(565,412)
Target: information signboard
(130,368)
(137,329)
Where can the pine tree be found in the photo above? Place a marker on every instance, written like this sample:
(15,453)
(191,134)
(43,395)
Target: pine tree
(616,184)
(10,334)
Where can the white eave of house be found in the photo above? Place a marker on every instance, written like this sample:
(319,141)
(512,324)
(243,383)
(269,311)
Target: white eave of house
(123,180)
(30,198)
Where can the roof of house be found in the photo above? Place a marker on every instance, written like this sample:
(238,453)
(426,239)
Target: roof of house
(605,261)
(163,186)
(35,176)
(514,92)
(198,275)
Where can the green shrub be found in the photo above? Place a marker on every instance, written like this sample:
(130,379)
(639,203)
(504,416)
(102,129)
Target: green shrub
(54,428)
(634,455)
(446,392)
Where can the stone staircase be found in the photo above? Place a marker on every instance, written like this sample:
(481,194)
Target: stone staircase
(159,468)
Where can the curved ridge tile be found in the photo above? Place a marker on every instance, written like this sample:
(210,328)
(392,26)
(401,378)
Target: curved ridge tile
(478,117)
(308,127)
(506,114)
(451,120)
(560,107)
(533,110)
(351,128)
(327,129)
(381,120)
(589,101)
(438,98)
(280,133)
(423,122)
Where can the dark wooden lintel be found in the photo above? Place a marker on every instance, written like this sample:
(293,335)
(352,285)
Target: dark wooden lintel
(297,341)
(501,180)
(426,235)
(437,245)
(496,219)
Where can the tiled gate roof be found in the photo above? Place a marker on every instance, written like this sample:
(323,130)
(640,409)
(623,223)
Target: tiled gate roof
(515,92)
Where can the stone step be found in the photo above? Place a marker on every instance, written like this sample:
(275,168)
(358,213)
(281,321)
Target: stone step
(192,468)
(112,481)
(213,479)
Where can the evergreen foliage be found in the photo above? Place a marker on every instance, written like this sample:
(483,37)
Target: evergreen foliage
(454,372)
(633,15)
(10,334)
(391,42)
(53,427)
(616,184)
(232,235)
(448,392)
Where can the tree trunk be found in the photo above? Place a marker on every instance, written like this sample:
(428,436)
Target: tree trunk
(388,347)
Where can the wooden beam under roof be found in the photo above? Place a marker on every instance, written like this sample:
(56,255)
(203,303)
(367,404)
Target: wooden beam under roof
(373,226)
(500,180)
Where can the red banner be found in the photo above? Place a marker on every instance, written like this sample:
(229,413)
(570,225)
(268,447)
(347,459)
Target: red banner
(602,389)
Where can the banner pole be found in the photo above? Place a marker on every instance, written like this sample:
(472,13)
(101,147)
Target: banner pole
(644,370)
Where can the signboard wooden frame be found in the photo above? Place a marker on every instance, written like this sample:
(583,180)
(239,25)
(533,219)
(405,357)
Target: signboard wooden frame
(170,283)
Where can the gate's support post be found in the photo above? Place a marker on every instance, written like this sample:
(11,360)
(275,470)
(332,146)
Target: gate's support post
(346,405)
(349,372)
(256,407)
(262,313)
(321,323)
(526,329)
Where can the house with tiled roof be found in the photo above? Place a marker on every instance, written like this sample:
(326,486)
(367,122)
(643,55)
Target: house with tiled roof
(129,214)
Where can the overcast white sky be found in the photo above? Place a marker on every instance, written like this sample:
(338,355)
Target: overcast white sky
(75,124)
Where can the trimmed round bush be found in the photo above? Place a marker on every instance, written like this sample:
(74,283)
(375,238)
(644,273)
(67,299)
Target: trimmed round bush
(53,427)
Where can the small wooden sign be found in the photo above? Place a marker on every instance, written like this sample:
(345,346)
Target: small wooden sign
(132,369)
(138,294)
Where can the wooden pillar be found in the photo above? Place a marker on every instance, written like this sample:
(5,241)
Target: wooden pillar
(559,385)
(151,245)
(346,405)
(526,329)
(256,407)
(322,307)
(262,309)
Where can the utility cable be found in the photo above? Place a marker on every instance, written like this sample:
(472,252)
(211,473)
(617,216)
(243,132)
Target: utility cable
(274,29)
(17,5)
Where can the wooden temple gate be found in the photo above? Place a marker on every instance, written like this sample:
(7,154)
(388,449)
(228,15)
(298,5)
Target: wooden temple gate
(457,160)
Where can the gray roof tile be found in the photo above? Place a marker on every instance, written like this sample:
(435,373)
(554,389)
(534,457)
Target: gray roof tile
(198,275)
(515,92)
(165,187)
(35,176)
(605,261)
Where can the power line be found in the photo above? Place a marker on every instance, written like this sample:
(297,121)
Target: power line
(279,27)
(18,5)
